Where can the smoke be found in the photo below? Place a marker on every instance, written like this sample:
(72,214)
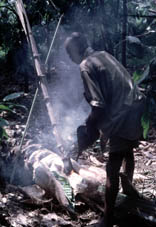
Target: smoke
(66,87)
(66,92)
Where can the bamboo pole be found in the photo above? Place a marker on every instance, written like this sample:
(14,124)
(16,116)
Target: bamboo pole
(39,70)
(43,82)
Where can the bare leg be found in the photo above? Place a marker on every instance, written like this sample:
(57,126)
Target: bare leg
(129,164)
(103,142)
(112,188)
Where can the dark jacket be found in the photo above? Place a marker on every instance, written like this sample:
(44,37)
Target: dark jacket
(108,85)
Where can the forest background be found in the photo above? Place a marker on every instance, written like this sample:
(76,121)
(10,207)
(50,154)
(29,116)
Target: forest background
(125,29)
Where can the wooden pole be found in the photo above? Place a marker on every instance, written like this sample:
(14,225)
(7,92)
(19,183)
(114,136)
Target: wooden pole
(39,70)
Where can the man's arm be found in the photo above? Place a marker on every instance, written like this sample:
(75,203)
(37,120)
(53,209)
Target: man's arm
(92,89)
(87,134)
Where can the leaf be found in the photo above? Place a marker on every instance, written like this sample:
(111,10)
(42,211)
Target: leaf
(5,134)
(3,122)
(4,107)
(133,40)
(145,122)
(67,188)
(11,105)
(136,77)
(144,76)
(13,96)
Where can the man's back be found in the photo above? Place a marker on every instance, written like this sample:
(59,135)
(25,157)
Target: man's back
(108,85)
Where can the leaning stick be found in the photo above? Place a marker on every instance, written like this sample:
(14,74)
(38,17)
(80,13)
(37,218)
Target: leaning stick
(40,73)
(39,69)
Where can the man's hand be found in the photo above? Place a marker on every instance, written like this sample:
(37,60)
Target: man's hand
(82,138)
(87,134)
(86,137)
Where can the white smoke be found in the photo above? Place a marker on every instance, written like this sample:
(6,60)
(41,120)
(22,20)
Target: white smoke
(65,89)
(68,101)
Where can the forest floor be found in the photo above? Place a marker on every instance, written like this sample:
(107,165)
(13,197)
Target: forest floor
(16,212)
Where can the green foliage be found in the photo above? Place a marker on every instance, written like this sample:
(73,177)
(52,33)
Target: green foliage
(136,76)
(4,107)
(2,53)
(67,189)
(8,26)
(145,122)
(82,15)
(3,133)
(3,122)
(9,107)
(13,96)
(91,17)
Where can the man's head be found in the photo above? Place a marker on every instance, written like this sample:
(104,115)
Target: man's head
(76,44)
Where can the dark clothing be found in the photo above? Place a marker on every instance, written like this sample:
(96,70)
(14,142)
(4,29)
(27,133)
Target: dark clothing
(118,144)
(126,159)
(109,86)
(117,107)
